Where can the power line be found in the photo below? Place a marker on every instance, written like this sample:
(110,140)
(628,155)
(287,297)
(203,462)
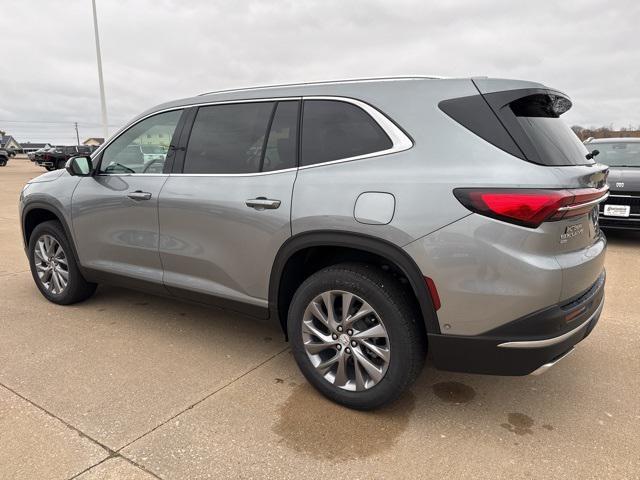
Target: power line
(87,124)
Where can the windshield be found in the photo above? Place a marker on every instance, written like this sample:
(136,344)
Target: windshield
(617,154)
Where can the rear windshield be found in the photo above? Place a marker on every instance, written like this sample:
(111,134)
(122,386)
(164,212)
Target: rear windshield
(555,143)
(617,154)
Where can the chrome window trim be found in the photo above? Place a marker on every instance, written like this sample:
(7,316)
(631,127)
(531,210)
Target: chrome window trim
(399,140)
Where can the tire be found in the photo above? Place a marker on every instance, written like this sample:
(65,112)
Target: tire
(77,288)
(50,169)
(404,344)
(3,163)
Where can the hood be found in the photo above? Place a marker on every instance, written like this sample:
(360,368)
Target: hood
(624,179)
(48,177)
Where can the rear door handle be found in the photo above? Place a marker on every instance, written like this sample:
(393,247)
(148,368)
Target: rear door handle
(263,203)
(139,195)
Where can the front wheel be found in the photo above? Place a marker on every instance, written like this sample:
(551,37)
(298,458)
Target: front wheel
(355,335)
(53,266)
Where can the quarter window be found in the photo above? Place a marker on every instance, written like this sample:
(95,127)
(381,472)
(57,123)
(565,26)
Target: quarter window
(228,138)
(333,130)
(129,153)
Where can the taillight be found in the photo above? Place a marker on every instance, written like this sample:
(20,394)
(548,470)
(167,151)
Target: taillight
(530,207)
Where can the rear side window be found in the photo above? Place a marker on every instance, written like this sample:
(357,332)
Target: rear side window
(334,130)
(228,138)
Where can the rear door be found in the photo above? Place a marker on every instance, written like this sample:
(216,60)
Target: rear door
(225,210)
(115,212)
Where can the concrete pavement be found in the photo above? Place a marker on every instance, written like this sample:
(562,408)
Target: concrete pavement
(128,385)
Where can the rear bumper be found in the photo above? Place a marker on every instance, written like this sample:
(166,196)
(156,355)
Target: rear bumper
(526,345)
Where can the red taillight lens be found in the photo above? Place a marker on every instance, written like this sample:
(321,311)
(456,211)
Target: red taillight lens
(530,208)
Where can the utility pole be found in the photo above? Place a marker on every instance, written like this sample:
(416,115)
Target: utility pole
(103,102)
(77,134)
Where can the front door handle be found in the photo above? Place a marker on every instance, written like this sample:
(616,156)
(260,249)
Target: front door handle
(139,195)
(263,203)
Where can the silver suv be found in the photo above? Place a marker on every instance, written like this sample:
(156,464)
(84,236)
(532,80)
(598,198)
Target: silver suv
(373,220)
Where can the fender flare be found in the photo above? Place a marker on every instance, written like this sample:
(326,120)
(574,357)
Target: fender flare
(36,205)
(366,243)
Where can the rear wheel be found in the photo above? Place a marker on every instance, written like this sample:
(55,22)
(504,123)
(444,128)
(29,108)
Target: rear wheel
(3,162)
(53,266)
(355,335)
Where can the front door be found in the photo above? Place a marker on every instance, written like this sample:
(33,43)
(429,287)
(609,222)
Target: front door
(115,212)
(225,211)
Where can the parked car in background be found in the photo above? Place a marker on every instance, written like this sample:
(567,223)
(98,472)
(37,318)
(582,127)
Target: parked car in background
(4,157)
(38,155)
(371,220)
(56,157)
(622,209)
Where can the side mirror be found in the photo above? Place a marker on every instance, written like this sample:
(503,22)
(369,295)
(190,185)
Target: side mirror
(79,166)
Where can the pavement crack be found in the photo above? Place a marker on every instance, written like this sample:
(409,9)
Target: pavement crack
(61,420)
(206,397)
(117,455)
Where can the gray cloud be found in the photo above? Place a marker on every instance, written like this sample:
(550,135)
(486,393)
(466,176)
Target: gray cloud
(158,50)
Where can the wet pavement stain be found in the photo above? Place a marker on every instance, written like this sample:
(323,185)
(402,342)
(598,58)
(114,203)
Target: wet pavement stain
(308,423)
(546,426)
(519,423)
(454,392)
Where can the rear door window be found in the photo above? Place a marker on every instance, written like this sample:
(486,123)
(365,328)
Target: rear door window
(282,146)
(335,130)
(227,139)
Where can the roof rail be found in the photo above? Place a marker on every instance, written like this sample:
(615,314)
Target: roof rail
(329,82)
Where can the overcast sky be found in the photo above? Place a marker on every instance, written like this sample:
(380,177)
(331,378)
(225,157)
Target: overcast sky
(157,50)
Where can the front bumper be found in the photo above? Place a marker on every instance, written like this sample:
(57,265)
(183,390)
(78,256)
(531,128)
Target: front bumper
(528,345)
(632,222)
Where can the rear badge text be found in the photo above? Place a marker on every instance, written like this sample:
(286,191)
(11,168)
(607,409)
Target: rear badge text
(570,232)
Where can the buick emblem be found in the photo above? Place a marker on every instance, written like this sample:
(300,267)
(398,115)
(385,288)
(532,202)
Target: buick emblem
(570,232)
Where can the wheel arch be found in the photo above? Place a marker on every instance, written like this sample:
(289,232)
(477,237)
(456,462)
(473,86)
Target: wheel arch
(36,213)
(286,272)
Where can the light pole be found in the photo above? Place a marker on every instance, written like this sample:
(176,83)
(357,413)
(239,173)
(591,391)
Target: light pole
(100,79)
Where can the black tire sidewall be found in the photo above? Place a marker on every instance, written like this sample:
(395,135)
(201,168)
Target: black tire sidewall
(396,378)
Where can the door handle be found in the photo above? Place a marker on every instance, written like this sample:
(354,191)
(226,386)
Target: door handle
(263,203)
(139,195)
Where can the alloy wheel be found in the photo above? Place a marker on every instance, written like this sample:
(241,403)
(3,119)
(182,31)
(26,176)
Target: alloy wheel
(345,340)
(51,264)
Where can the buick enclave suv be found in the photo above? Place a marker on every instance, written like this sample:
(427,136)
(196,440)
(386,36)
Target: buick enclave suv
(373,220)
